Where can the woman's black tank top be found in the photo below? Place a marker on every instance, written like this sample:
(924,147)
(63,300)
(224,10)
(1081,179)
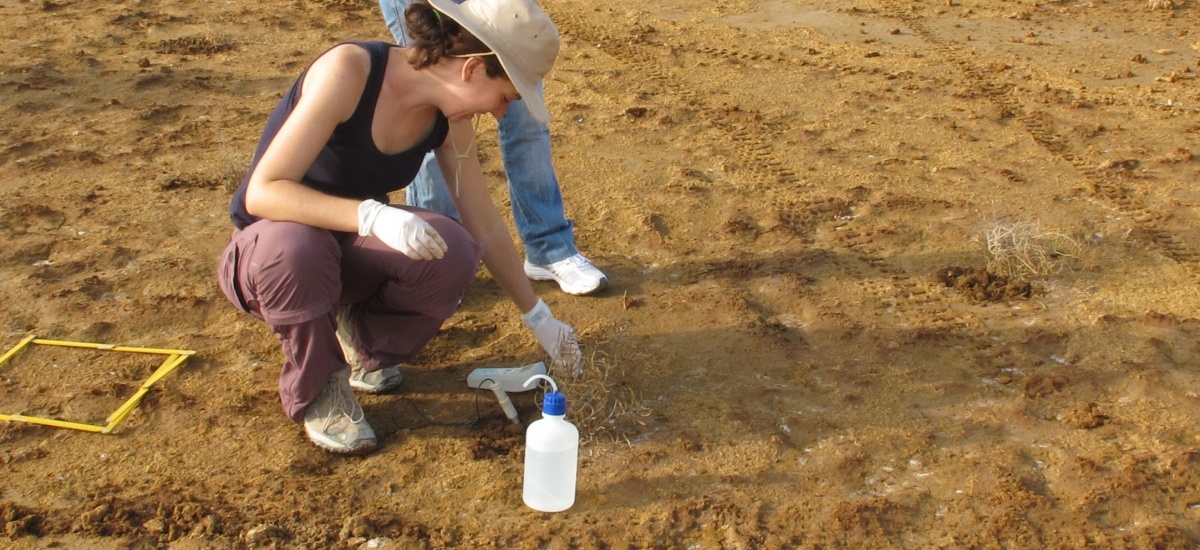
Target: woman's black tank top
(349,165)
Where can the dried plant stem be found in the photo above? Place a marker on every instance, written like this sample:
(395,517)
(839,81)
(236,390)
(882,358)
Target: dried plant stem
(1024,249)
(600,402)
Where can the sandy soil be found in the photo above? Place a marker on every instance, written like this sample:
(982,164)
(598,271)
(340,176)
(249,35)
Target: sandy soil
(806,343)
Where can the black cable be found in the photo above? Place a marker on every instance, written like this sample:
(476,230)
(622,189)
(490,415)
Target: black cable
(429,421)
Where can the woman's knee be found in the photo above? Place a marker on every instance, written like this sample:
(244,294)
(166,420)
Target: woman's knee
(462,252)
(296,271)
(295,247)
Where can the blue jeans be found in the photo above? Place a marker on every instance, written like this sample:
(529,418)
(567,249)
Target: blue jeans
(532,185)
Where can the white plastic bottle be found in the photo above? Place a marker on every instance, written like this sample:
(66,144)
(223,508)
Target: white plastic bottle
(551,455)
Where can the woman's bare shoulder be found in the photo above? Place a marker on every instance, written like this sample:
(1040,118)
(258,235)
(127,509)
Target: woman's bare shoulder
(345,59)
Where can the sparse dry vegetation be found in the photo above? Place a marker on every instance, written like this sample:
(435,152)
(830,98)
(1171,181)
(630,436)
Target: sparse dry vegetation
(600,402)
(1026,249)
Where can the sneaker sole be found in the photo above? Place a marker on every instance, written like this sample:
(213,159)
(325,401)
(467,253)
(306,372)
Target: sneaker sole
(539,274)
(391,384)
(363,449)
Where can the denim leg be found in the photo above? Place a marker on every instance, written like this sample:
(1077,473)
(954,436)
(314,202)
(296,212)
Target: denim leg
(393,15)
(429,191)
(533,187)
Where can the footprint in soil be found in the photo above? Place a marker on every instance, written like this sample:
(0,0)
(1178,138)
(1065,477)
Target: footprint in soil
(33,217)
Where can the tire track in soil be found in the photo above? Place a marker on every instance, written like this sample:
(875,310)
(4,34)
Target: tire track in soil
(914,303)
(752,145)
(1043,132)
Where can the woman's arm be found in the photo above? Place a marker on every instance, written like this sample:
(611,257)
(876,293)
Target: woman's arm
(479,215)
(330,93)
(467,185)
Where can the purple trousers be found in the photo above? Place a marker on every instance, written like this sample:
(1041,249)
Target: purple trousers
(296,277)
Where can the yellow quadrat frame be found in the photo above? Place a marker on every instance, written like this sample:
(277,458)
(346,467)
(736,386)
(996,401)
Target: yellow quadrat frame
(175,357)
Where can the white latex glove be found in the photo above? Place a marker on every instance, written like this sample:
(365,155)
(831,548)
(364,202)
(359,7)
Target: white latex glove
(400,229)
(556,337)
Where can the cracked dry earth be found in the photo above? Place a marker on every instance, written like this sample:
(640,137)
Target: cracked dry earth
(808,341)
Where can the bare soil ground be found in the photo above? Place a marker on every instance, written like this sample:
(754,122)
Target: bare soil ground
(807,343)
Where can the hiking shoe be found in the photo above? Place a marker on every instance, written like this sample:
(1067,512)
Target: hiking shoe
(336,422)
(576,275)
(378,381)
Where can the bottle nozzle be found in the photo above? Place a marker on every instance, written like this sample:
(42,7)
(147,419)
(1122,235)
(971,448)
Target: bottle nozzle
(555,403)
(553,386)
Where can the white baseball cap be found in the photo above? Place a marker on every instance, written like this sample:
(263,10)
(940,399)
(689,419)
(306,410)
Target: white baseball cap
(522,37)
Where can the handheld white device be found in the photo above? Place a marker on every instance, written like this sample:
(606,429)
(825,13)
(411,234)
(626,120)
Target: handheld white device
(503,380)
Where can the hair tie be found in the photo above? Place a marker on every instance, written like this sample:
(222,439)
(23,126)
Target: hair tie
(438,15)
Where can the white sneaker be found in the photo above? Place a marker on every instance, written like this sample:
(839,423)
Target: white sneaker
(576,275)
(336,422)
(378,381)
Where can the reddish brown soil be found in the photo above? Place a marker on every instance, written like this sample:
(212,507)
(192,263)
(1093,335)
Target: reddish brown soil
(773,187)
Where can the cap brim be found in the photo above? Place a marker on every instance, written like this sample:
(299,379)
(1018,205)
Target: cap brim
(534,99)
(530,90)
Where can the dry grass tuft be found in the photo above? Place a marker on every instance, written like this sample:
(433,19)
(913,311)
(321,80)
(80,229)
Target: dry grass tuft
(1025,249)
(600,402)
(1162,4)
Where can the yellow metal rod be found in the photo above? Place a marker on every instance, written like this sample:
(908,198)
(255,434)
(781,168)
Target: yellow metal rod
(174,359)
(17,348)
(52,422)
(167,366)
(112,347)
(118,415)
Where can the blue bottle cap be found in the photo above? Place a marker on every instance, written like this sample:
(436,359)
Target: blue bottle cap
(555,403)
